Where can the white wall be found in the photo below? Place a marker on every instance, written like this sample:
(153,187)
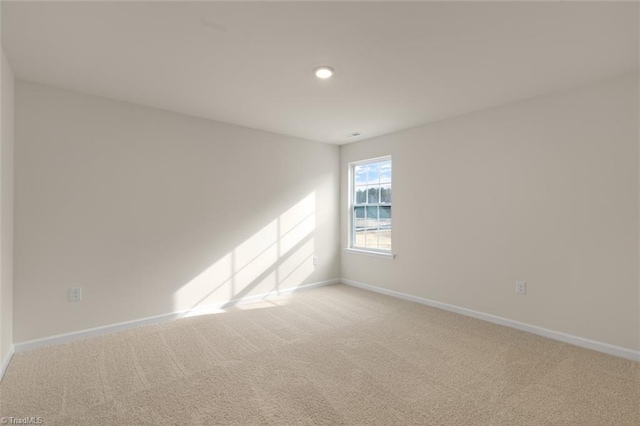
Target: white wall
(544,191)
(6,210)
(153,212)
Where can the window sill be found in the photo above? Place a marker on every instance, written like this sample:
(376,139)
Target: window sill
(383,255)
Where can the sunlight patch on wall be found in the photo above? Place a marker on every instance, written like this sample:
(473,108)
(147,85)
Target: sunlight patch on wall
(293,270)
(277,257)
(207,286)
(253,258)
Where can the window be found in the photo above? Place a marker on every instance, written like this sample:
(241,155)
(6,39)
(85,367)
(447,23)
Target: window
(371,205)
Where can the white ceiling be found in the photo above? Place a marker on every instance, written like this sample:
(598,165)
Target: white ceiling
(397,65)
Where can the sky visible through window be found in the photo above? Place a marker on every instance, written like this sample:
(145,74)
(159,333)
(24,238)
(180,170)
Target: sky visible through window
(372,205)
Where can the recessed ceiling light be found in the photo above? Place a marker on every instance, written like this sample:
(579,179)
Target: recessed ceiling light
(323,71)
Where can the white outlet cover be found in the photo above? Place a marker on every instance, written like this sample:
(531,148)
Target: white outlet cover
(75,294)
(521,287)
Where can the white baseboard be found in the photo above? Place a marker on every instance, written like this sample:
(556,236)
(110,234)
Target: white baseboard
(545,332)
(97,331)
(5,362)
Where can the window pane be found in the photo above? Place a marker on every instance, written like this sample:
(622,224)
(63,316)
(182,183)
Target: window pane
(373,195)
(360,221)
(385,213)
(372,240)
(384,226)
(384,239)
(385,193)
(361,194)
(372,214)
(370,224)
(360,174)
(372,173)
(385,171)
(360,238)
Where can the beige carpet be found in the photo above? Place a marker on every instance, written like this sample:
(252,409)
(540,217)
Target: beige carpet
(334,355)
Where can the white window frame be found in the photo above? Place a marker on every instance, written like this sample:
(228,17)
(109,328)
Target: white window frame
(351,213)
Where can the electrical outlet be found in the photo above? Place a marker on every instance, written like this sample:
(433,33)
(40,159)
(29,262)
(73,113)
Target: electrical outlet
(315,260)
(75,294)
(521,287)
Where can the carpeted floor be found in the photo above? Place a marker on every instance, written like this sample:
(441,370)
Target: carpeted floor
(333,355)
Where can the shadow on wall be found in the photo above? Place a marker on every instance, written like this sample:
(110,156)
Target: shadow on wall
(277,257)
